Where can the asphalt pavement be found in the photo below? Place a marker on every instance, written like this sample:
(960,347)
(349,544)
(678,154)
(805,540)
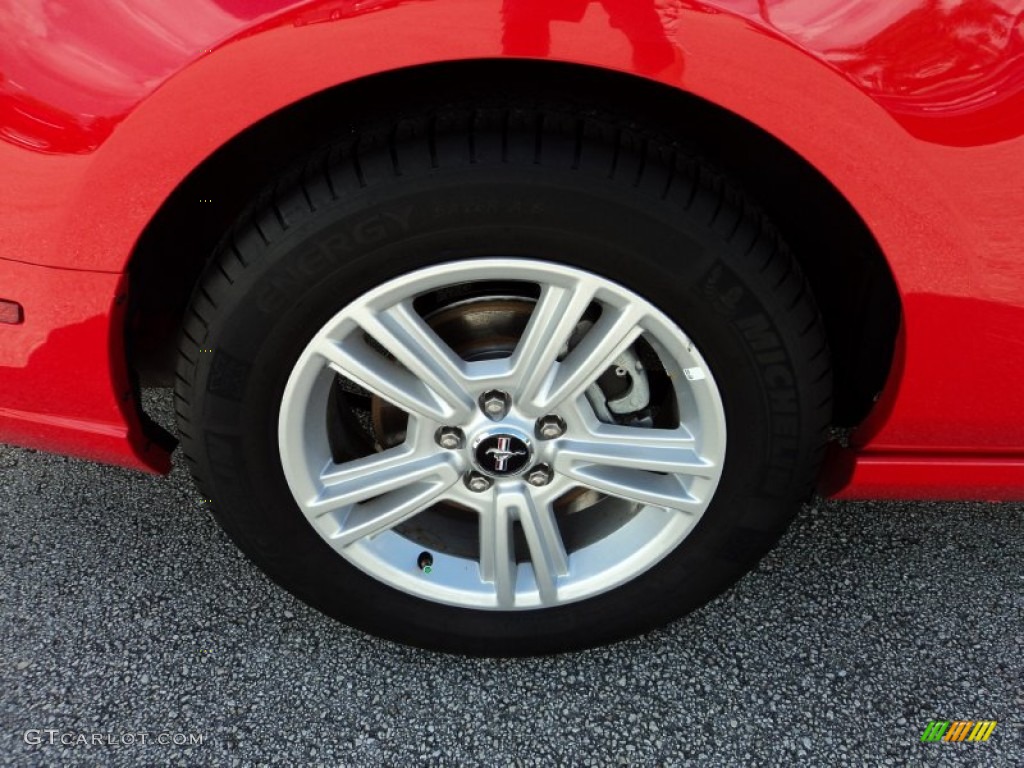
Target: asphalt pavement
(133,633)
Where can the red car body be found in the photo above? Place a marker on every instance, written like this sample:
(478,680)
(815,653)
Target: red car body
(913,111)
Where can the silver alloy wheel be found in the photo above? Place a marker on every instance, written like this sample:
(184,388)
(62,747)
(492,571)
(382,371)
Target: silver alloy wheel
(383,345)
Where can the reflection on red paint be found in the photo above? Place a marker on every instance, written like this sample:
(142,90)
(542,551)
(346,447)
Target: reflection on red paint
(650,29)
(336,10)
(950,71)
(72,71)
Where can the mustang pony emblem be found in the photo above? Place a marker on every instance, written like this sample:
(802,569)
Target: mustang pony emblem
(502,453)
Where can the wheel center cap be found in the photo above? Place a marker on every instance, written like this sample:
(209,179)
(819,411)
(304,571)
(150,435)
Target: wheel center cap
(502,451)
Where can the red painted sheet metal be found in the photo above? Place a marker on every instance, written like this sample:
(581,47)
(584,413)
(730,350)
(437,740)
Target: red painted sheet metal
(59,389)
(913,110)
(852,475)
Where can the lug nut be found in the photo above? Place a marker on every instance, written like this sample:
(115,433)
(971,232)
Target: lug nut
(494,403)
(477,483)
(539,475)
(550,427)
(449,437)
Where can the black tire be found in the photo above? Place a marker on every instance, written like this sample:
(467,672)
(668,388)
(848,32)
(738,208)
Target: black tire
(537,181)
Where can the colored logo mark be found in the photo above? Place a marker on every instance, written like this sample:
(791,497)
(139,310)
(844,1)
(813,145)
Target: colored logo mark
(958,730)
(503,453)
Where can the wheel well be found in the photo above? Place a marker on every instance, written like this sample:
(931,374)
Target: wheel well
(843,264)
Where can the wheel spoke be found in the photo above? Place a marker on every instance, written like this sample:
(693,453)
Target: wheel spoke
(557,313)
(358,362)
(387,511)
(653,450)
(612,334)
(497,554)
(637,485)
(404,334)
(547,551)
(378,474)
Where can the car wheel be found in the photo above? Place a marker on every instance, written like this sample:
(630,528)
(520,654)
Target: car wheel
(504,379)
